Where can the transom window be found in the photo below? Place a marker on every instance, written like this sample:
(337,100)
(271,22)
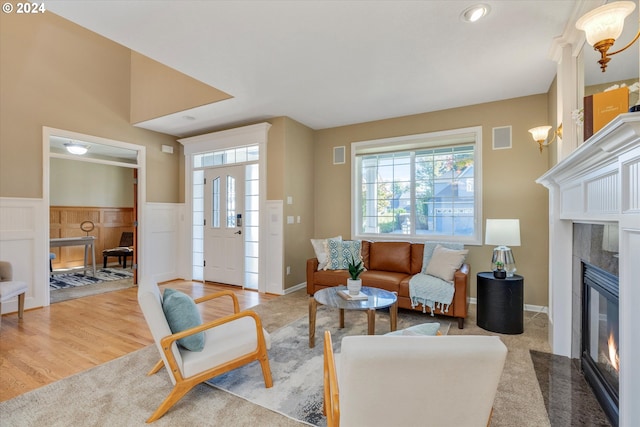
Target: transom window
(250,153)
(420,187)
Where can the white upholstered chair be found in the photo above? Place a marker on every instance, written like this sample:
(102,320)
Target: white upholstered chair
(412,380)
(230,342)
(10,288)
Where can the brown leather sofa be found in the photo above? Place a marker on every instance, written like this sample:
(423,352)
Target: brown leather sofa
(389,266)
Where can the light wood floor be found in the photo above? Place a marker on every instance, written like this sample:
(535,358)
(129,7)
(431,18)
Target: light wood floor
(68,337)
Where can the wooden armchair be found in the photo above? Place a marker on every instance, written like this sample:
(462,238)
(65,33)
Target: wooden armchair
(412,380)
(230,342)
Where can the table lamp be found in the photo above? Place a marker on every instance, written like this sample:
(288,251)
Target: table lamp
(503,233)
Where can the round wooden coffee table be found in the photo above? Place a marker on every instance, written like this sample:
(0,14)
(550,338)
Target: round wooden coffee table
(376,299)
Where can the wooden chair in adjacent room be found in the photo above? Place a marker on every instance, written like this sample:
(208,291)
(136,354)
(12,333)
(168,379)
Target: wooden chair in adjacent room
(122,251)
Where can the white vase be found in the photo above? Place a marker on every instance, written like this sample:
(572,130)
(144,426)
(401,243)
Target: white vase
(354,286)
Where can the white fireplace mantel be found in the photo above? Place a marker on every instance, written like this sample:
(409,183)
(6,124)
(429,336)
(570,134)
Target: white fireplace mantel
(599,183)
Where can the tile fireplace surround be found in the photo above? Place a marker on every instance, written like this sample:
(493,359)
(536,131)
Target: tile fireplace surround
(599,183)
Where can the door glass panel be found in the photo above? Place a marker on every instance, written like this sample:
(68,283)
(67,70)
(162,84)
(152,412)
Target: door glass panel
(231,202)
(215,203)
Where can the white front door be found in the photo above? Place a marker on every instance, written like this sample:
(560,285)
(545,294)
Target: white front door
(224,220)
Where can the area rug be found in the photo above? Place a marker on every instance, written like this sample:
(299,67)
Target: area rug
(297,369)
(62,281)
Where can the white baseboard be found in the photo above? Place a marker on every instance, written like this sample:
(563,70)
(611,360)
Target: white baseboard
(527,307)
(295,288)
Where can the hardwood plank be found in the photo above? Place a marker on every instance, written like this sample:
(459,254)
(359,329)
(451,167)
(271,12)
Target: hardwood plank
(68,337)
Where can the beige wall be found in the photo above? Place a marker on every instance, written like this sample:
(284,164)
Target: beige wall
(77,183)
(290,166)
(158,90)
(509,188)
(57,74)
(298,184)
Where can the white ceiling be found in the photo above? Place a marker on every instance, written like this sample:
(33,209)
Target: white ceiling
(333,63)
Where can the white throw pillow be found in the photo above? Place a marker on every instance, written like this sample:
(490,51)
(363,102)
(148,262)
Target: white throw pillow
(320,248)
(444,262)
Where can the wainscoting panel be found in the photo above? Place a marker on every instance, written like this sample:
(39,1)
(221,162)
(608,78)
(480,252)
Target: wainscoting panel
(109,222)
(23,244)
(162,258)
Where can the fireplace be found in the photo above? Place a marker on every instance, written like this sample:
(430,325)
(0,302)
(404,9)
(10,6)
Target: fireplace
(598,183)
(600,336)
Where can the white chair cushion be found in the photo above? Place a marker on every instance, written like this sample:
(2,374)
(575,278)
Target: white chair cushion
(223,343)
(12,289)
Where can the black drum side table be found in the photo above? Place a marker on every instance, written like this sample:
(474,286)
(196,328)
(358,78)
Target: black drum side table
(500,303)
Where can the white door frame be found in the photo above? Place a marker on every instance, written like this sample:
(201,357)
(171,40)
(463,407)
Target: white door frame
(47,133)
(247,135)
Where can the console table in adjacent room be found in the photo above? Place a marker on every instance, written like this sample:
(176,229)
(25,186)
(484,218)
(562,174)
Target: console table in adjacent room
(500,303)
(86,241)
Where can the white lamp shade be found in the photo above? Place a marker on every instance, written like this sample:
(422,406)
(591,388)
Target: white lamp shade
(502,232)
(539,133)
(605,22)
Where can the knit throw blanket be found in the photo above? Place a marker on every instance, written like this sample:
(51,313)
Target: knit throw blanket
(431,291)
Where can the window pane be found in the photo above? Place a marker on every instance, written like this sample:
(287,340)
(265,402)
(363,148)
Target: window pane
(231,202)
(418,192)
(215,202)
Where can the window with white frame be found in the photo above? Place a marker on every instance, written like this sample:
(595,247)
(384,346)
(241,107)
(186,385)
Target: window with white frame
(419,187)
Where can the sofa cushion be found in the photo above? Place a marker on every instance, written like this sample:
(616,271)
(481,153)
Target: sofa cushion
(331,277)
(386,280)
(444,262)
(417,254)
(341,252)
(320,248)
(390,256)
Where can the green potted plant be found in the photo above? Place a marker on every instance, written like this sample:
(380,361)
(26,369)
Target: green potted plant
(499,272)
(354,284)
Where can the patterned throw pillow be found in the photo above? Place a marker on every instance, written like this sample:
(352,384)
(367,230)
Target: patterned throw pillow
(320,248)
(340,253)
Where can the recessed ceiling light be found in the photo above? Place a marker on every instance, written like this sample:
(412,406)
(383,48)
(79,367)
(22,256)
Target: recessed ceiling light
(474,13)
(188,117)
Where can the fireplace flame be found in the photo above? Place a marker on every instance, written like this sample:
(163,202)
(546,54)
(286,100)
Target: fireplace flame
(613,353)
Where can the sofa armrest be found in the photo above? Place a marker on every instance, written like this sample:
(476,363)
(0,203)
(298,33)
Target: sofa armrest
(312,267)
(461,295)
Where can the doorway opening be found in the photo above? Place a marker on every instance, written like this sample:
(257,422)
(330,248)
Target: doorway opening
(110,207)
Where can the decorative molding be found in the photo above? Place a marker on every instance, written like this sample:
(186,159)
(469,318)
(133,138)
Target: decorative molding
(253,134)
(590,177)
(631,186)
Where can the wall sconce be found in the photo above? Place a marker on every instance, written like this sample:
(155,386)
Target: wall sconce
(75,148)
(541,133)
(603,25)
